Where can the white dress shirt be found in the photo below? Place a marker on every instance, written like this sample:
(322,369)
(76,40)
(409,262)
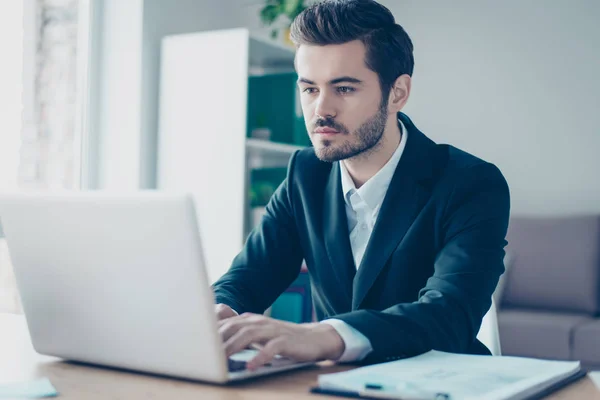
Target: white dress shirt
(362,208)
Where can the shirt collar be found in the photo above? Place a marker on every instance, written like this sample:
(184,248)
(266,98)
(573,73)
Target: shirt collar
(373,191)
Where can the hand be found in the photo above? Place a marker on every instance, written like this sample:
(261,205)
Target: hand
(223,311)
(299,342)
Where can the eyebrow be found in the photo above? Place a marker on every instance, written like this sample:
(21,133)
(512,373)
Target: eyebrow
(341,79)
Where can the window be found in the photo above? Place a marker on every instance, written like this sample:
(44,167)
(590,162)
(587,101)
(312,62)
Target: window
(44,45)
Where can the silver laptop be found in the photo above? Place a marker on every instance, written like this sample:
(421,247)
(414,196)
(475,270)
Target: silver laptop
(119,280)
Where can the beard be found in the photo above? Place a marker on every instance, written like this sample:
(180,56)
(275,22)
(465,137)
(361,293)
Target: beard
(363,140)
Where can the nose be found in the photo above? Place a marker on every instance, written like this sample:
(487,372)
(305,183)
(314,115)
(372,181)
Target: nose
(325,106)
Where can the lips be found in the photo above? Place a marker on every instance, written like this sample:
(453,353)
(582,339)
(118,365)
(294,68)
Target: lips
(326,131)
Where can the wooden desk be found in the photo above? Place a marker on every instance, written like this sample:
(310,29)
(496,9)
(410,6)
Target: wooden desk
(18,362)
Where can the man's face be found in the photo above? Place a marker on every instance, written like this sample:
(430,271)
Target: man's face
(341,100)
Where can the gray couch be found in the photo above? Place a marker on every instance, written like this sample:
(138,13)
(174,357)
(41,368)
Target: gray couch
(550,301)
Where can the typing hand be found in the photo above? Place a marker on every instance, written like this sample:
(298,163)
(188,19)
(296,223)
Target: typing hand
(223,311)
(299,342)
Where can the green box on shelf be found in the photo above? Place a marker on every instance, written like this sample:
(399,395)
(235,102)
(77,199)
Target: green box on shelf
(276,175)
(288,307)
(295,304)
(274,103)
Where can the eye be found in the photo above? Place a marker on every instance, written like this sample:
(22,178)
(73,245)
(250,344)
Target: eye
(309,90)
(345,89)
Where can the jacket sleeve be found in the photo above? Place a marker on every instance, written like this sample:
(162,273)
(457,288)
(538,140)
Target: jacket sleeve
(270,259)
(451,306)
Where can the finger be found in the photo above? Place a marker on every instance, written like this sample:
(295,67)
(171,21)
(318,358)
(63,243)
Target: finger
(231,326)
(236,318)
(268,352)
(224,313)
(247,335)
(256,346)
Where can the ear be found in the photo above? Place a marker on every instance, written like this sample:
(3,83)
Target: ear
(399,93)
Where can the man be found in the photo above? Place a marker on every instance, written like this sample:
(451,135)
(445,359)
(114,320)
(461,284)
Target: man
(403,238)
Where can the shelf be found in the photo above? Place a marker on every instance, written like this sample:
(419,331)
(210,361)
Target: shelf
(270,54)
(259,39)
(257,72)
(271,148)
(266,154)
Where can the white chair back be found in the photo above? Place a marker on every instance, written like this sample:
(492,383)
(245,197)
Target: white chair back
(488,333)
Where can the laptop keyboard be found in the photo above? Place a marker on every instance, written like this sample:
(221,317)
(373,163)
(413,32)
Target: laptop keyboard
(236,365)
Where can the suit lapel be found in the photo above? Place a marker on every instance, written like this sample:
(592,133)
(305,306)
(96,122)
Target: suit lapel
(406,196)
(337,238)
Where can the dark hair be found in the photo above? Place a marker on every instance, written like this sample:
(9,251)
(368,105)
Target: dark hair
(389,50)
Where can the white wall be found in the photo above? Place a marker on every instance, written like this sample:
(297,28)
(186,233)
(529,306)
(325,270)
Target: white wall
(117,100)
(11,76)
(516,83)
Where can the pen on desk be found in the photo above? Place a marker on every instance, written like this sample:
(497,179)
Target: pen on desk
(400,392)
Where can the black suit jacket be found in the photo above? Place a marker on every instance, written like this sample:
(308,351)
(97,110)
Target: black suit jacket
(431,265)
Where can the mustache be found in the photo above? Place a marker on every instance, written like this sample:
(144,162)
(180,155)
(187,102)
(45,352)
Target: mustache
(329,123)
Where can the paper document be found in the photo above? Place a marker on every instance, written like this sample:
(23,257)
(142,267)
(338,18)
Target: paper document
(457,376)
(595,376)
(28,390)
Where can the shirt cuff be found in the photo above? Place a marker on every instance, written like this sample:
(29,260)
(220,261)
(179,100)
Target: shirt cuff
(357,345)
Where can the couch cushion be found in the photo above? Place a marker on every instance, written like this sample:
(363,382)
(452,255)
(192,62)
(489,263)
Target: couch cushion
(537,334)
(586,342)
(555,265)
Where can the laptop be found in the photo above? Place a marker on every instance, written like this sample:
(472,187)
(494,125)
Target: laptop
(120,281)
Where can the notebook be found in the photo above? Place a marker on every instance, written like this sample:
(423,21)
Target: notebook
(437,375)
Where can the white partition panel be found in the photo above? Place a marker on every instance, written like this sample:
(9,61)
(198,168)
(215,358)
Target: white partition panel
(202,130)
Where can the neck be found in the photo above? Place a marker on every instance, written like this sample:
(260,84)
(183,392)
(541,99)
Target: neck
(364,166)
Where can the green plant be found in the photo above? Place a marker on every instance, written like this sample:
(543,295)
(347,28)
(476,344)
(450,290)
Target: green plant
(274,9)
(261,120)
(260,193)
